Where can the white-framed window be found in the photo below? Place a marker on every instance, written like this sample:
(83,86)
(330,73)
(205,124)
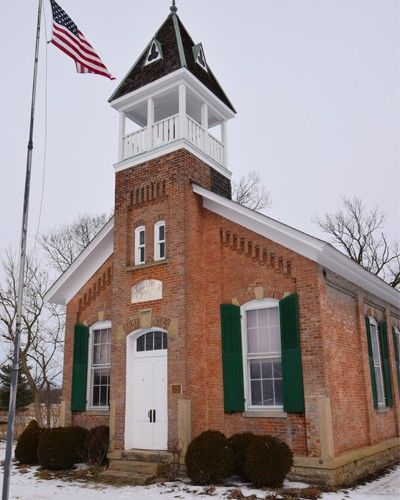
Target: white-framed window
(140,245)
(159,240)
(262,357)
(377,359)
(99,365)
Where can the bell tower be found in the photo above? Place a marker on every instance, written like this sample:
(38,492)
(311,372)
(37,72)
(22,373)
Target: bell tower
(173,117)
(171,100)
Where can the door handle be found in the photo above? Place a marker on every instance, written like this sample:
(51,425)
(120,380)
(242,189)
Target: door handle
(154,416)
(150,414)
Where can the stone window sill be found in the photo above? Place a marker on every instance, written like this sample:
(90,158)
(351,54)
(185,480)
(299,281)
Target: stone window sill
(135,267)
(385,409)
(91,412)
(264,414)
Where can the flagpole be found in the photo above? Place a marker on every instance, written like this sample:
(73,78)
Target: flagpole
(22,262)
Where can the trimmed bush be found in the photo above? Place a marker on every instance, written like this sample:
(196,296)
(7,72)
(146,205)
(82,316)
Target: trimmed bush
(58,447)
(209,458)
(239,443)
(98,442)
(267,461)
(80,437)
(27,445)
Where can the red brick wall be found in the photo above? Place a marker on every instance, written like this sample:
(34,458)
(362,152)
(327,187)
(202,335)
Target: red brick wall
(93,298)
(356,422)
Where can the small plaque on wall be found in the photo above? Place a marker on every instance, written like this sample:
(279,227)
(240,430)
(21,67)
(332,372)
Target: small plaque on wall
(146,290)
(176,389)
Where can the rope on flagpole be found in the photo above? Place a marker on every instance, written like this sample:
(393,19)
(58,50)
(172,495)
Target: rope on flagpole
(45,135)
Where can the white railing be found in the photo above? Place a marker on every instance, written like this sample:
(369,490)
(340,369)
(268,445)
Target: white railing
(167,131)
(135,144)
(215,149)
(195,133)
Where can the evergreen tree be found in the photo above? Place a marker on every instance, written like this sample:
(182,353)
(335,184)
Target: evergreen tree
(24,394)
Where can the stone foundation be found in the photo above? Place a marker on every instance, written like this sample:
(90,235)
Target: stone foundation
(349,467)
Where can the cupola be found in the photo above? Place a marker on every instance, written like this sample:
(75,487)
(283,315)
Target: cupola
(170,99)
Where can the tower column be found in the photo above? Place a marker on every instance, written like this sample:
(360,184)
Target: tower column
(182,111)
(150,123)
(204,124)
(122,122)
(224,140)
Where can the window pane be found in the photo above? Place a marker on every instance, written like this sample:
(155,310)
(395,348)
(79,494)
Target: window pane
(268,392)
(277,366)
(374,341)
(104,377)
(103,395)
(263,318)
(141,238)
(149,341)
(275,339)
(162,250)
(256,392)
(157,341)
(165,341)
(96,336)
(96,395)
(140,343)
(96,377)
(252,341)
(251,319)
(379,385)
(255,369)
(141,254)
(278,392)
(263,340)
(161,233)
(96,354)
(274,316)
(266,368)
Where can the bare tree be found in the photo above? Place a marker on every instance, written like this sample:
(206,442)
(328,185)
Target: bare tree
(359,232)
(42,327)
(250,192)
(63,244)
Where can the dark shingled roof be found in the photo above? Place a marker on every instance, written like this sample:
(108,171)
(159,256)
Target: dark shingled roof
(172,35)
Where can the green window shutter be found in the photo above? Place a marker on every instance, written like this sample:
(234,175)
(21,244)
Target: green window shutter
(232,360)
(79,369)
(371,362)
(385,362)
(396,341)
(293,389)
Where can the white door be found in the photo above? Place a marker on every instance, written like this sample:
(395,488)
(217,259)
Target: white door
(146,425)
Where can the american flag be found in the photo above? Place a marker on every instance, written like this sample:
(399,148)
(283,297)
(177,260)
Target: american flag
(68,38)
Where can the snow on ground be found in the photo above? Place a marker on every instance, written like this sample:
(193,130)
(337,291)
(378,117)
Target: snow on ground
(25,486)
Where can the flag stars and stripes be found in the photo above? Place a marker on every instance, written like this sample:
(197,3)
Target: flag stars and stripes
(70,40)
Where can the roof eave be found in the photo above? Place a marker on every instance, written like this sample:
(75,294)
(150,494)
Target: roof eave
(174,78)
(310,247)
(83,267)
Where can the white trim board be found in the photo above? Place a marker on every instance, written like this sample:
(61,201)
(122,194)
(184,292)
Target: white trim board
(83,267)
(313,248)
(170,148)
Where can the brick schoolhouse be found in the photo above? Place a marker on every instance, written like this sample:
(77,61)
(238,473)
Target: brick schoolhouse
(189,312)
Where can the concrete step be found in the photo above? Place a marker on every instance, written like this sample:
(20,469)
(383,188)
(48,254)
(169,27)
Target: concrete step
(133,478)
(142,467)
(146,456)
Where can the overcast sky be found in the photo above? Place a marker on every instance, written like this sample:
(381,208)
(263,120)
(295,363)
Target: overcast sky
(315,84)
